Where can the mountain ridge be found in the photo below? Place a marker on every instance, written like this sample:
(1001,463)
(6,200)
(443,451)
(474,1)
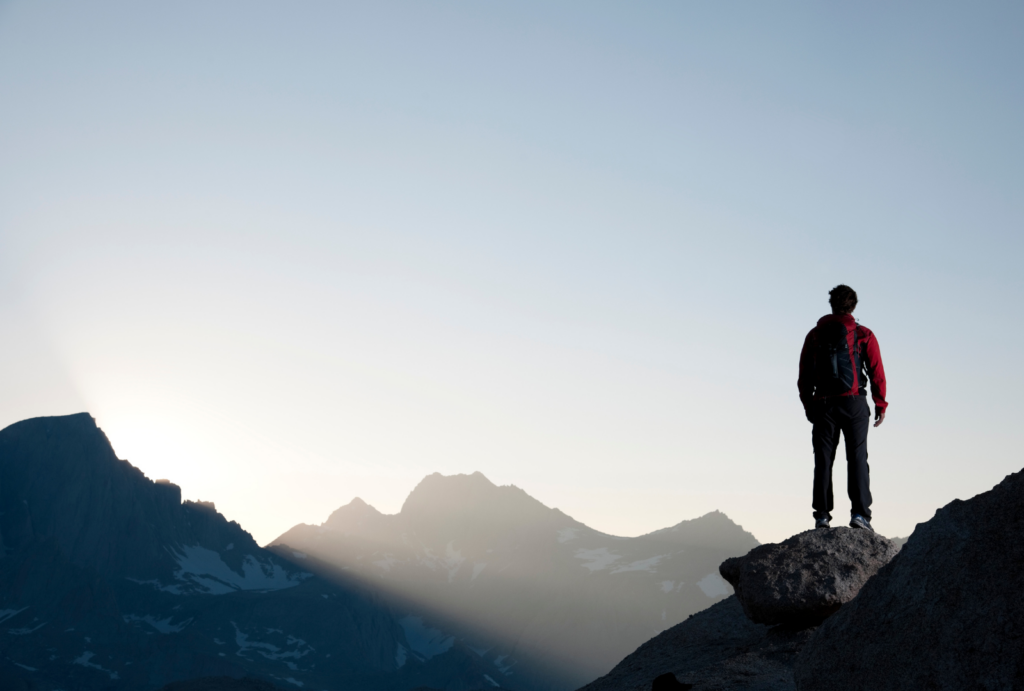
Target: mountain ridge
(108,580)
(464,553)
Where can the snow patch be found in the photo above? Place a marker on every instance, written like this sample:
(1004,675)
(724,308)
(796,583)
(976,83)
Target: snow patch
(426,642)
(83,660)
(503,668)
(401,656)
(642,565)
(202,570)
(714,585)
(491,681)
(270,651)
(30,669)
(386,563)
(477,570)
(566,534)
(596,559)
(666,586)
(477,649)
(299,555)
(26,630)
(6,614)
(452,560)
(294,681)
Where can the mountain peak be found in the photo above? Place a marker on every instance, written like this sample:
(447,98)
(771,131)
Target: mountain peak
(437,492)
(713,528)
(352,513)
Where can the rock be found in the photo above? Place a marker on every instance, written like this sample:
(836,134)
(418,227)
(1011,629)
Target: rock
(946,614)
(718,649)
(668,682)
(808,577)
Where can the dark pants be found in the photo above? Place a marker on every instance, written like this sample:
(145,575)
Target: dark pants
(851,416)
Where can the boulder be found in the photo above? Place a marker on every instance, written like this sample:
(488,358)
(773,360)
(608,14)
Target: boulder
(808,577)
(946,614)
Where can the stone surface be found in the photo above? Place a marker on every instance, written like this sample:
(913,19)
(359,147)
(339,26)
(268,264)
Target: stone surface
(808,577)
(946,614)
(718,649)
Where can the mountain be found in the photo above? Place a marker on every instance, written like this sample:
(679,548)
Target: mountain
(546,602)
(109,581)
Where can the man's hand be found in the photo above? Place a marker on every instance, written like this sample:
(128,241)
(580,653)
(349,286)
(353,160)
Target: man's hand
(879,417)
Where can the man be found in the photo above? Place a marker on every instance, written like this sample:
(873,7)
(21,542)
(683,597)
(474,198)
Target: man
(839,357)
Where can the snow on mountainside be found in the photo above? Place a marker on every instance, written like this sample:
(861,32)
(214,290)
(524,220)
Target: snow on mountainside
(547,601)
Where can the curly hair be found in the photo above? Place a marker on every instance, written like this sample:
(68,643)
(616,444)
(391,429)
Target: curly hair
(843,299)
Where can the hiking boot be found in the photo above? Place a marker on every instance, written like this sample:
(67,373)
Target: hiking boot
(859,521)
(821,522)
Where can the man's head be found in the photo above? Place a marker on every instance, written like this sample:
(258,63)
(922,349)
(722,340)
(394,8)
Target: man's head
(843,299)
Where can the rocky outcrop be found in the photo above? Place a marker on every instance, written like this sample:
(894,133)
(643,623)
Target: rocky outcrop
(719,649)
(808,577)
(946,614)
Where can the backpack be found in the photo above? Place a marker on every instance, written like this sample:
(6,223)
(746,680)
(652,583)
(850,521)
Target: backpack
(833,368)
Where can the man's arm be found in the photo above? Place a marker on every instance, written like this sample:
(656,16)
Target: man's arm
(876,374)
(805,381)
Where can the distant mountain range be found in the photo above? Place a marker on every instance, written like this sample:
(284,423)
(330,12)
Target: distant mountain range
(109,581)
(549,603)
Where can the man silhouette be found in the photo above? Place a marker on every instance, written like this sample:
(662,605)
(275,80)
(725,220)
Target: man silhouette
(839,357)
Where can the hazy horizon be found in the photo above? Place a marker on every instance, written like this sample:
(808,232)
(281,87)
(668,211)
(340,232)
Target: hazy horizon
(290,255)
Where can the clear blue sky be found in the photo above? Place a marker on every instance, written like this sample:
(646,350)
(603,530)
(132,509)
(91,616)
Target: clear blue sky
(292,253)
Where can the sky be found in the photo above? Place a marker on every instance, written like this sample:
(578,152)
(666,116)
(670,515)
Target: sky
(288,254)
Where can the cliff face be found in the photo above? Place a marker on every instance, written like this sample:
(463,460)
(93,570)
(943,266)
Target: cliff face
(108,580)
(549,602)
(945,614)
(65,483)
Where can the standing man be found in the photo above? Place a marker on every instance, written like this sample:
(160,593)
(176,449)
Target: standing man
(838,359)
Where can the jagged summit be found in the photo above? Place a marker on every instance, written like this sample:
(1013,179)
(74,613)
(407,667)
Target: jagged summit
(437,491)
(351,516)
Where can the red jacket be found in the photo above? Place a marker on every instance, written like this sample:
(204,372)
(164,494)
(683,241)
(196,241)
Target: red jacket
(871,363)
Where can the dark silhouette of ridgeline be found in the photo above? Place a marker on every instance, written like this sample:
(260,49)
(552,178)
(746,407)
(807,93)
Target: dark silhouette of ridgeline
(109,581)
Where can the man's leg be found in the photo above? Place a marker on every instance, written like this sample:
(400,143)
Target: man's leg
(824,438)
(855,431)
